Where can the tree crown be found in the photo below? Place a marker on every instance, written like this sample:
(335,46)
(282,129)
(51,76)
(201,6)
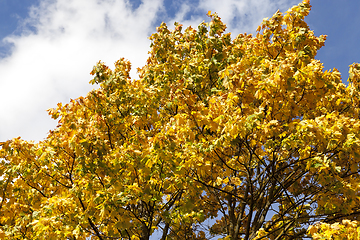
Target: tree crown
(244,138)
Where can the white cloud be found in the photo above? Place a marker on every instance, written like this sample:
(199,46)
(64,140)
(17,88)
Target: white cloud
(62,39)
(244,15)
(239,15)
(52,63)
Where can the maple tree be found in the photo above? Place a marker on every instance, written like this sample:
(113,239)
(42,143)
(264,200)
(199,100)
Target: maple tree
(244,138)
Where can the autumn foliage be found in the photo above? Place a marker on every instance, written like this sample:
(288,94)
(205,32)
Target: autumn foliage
(220,137)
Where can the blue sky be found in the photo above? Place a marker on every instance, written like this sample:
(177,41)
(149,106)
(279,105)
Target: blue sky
(48,47)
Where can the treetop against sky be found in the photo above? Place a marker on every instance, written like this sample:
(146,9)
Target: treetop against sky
(49,47)
(220,137)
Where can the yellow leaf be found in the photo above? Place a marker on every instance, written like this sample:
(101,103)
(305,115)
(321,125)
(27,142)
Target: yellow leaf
(236,181)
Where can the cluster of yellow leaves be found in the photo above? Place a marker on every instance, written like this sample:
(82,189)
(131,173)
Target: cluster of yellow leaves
(345,230)
(234,129)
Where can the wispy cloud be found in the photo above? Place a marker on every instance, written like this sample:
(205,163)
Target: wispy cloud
(244,16)
(51,60)
(61,40)
(239,15)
